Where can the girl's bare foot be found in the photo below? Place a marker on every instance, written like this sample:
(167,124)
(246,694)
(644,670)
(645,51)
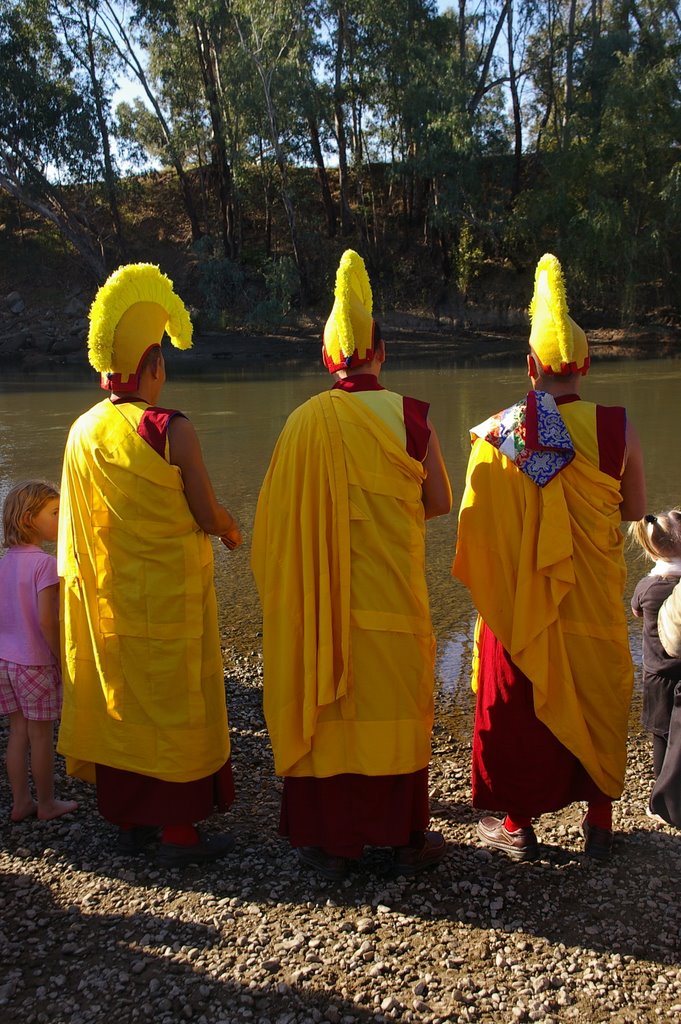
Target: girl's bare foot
(55,809)
(27,810)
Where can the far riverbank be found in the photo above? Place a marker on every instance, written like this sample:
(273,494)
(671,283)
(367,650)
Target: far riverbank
(45,339)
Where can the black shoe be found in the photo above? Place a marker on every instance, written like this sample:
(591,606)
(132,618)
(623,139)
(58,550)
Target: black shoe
(131,842)
(519,845)
(325,864)
(208,848)
(597,841)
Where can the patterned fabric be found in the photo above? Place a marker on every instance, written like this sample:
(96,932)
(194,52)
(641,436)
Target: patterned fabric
(532,435)
(35,690)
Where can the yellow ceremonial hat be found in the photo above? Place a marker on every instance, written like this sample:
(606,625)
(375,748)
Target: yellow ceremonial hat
(349,331)
(558,342)
(131,312)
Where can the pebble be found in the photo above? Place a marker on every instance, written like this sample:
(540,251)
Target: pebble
(90,938)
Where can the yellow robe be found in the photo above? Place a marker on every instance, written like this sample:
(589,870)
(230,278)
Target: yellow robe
(143,675)
(338,557)
(546,573)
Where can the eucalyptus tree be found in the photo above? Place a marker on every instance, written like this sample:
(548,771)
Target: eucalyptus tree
(268,30)
(171,46)
(128,31)
(629,212)
(48,131)
(315,102)
(336,19)
(401,89)
(606,120)
(465,129)
(210,22)
(93,62)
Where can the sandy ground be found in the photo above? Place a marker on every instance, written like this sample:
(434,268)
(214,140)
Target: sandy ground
(88,937)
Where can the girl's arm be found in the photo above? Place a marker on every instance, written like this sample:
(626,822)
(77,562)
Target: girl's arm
(48,617)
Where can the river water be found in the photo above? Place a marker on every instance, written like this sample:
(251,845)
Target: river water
(238,416)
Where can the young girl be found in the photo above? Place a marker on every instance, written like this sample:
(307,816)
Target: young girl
(660,538)
(30,677)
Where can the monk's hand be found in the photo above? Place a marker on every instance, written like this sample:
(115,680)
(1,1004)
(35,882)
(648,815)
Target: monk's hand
(233,538)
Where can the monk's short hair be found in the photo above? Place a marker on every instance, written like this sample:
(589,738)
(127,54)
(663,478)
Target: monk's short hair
(151,359)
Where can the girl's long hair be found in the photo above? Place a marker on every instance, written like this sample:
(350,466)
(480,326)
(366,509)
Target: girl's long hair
(659,535)
(24,501)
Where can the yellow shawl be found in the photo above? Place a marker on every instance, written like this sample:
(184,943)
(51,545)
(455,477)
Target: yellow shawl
(338,558)
(143,676)
(546,573)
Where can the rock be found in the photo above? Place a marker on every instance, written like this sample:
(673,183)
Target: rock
(75,307)
(69,343)
(14,303)
(11,344)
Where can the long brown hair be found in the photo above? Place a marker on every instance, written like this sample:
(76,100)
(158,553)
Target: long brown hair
(659,535)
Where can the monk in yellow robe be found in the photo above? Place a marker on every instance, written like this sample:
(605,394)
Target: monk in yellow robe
(144,711)
(539,545)
(338,557)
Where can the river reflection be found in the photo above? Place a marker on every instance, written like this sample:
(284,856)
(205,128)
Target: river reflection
(238,417)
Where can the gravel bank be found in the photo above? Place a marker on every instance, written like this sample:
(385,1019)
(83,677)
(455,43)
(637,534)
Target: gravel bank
(88,937)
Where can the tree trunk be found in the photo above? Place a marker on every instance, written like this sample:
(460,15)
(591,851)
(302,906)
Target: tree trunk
(208,62)
(481,87)
(72,227)
(117,35)
(515,101)
(569,74)
(346,218)
(280,158)
(322,177)
(110,180)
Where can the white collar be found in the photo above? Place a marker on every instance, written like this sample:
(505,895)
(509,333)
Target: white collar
(663,568)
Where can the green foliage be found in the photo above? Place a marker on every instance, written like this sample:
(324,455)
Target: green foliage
(283,282)
(220,283)
(401,113)
(469,258)
(45,120)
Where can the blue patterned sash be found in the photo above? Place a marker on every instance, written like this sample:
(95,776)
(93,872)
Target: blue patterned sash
(533,435)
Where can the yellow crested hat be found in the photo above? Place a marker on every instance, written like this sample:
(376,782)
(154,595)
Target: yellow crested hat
(558,342)
(349,331)
(131,312)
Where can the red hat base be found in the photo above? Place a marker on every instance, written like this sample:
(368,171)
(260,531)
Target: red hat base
(349,363)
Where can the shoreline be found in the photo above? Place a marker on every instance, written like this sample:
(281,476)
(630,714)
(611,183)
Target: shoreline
(39,346)
(416,343)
